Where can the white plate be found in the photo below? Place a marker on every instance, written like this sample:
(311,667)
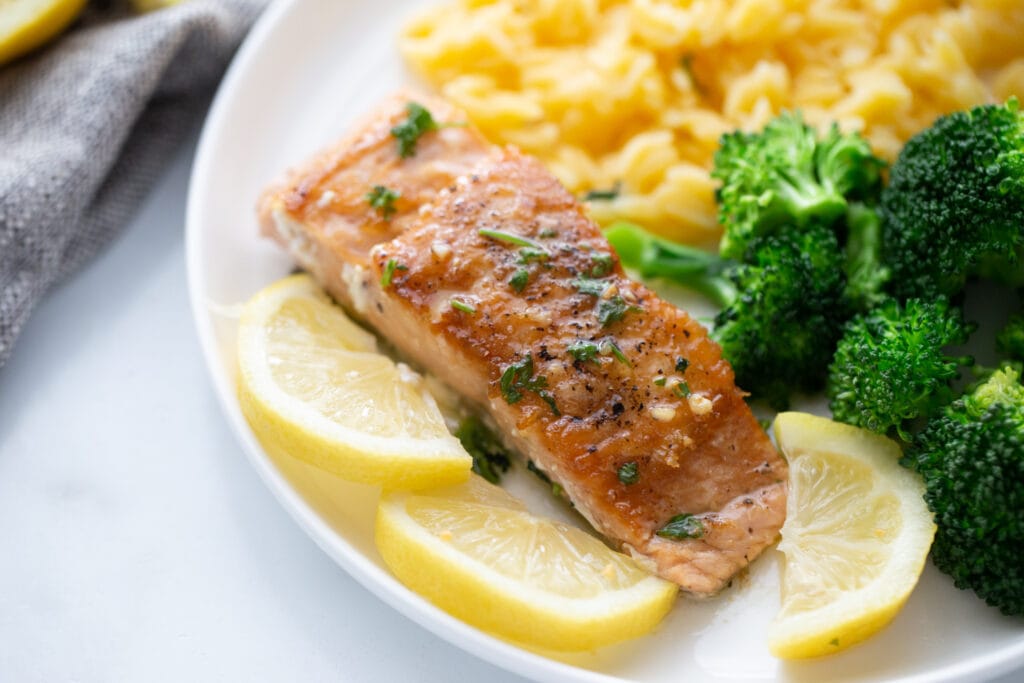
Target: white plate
(308,68)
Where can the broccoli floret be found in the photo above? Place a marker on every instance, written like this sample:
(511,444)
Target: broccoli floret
(782,310)
(783,176)
(1010,340)
(890,368)
(866,276)
(955,202)
(972,461)
(780,331)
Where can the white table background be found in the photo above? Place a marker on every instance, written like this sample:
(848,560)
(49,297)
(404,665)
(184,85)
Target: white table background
(136,543)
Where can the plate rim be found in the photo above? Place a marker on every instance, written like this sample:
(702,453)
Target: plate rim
(378,581)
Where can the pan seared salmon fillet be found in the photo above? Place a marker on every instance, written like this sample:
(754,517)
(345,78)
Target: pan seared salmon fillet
(490,275)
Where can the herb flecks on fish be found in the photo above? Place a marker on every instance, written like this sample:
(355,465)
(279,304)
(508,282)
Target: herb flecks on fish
(590,286)
(519,279)
(612,310)
(459,305)
(629,473)
(383,200)
(609,346)
(603,264)
(682,527)
(583,351)
(518,377)
(389,272)
(417,122)
(510,238)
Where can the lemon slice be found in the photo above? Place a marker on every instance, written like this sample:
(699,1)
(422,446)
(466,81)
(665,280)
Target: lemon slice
(27,24)
(476,552)
(312,385)
(150,5)
(855,540)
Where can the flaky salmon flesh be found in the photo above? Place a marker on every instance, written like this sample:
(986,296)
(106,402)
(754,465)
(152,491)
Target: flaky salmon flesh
(481,268)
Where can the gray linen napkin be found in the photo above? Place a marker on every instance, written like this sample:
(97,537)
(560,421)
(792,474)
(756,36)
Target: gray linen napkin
(85,128)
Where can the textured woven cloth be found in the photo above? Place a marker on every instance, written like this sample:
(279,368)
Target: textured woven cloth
(85,128)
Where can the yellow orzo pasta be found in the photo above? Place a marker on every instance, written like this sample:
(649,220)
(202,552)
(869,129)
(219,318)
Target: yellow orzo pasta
(636,93)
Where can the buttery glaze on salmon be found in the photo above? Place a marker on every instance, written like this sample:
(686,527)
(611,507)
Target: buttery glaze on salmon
(587,373)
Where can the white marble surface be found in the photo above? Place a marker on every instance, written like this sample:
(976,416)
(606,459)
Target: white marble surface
(136,544)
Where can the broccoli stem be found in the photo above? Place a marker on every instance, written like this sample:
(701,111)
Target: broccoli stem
(865,274)
(654,257)
(806,200)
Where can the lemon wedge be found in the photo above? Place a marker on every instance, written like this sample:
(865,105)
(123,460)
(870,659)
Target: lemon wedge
(855,540)
(27,24)
(313,386)
(476,552)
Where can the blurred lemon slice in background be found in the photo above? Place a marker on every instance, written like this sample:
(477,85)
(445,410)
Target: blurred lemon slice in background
(855,540)
(313,386)
(27,24)
(149,5)
(476,552)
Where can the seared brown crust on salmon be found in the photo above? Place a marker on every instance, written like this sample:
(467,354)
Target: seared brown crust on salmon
(502,286)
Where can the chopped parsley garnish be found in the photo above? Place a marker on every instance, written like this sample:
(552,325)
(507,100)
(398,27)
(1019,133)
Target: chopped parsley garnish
(608,194)
(530,254)
(502,236)
(682,527)
(518,377)
(519,279)
(682,364)
(583,351)
(556,489)
(660,381)
(590,286)
(629,473)
(611,347)
(609,310)
(389,271)
(682,390)
(490,459)
(408,132)
(613,310)
(602,264)
(462,306)
(547,233)
(383,199)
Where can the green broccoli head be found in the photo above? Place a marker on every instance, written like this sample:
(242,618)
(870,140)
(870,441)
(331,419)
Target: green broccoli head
(783,175)
(780,330)
(847,167)
(955,202)
(890,366)
(972,460)
(1010,340)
